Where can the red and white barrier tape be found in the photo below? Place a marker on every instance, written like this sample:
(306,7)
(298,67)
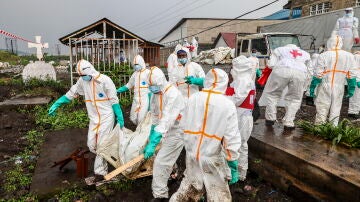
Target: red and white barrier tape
(14,36)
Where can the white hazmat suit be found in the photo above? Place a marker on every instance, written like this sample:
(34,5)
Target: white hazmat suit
(255,64)
(100,95)
(333,67)
(347,28)
(139,83)
(195,46)
(166,107)
(244,98)
(182,71)
(289,70)
(172,60)
(354,101)
(210,132)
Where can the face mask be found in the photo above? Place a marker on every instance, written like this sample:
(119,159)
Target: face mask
(349,14)
(182,60)
(86,77)
(154,89)
(253,54)
(137,67)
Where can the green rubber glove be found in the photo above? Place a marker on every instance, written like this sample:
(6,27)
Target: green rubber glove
(315,82)
(149,97)
(122,89)
(62,100)
(233,165)
(194,81)
(154,140)
(258,72)
(119,115)
(358,84)
(351,87)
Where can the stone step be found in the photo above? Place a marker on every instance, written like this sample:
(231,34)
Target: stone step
(26,101)
(304,165)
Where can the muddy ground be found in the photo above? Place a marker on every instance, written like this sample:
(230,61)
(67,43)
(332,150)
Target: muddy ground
(14,124)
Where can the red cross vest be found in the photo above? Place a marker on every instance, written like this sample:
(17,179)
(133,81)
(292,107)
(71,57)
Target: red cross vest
(249,102)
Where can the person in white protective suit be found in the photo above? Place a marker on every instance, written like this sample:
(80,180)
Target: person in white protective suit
(244,99)
(194,48)
(187,75)
(288,70)
(332,69)
(255,64)
(102,105)
(172,60)
(166,105)
(347,28)
(138,82)
(212,142)
(309,75)
(354,101)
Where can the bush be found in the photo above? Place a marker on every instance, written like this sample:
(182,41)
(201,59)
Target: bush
(345,133)
(68,116)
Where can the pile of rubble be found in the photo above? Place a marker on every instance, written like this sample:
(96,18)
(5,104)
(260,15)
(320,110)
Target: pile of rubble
(221,55)
(15,69)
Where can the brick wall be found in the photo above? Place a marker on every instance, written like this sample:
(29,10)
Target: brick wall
(336,4)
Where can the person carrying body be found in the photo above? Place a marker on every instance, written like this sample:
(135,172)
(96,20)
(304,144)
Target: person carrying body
(212,142)
(243,96)
(187,75)
(138,82)
(102,106)
(167,104)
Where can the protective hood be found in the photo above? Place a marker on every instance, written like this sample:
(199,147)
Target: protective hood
(157,78)
(177,48)
(187,52)
(292,46)
(241,65)
(84,67)
(216,80)
(194,42)
(140,61)
(334,43)
(315,56)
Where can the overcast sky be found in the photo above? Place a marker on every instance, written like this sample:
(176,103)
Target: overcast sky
(150,19)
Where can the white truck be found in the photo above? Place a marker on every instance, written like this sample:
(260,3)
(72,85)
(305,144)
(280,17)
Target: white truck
(264,44)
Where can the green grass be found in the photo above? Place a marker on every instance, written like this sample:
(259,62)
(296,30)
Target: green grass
(20,176)
(345,133)
(67,116)
(14,59)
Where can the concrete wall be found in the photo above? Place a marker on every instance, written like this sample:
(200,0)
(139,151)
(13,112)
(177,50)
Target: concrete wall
(193,26)
(179,32)
(244,26)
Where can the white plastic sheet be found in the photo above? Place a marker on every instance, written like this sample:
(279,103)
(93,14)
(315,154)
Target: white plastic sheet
(122,146)
(221,55)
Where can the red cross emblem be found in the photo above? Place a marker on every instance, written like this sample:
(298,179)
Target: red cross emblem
(295,53)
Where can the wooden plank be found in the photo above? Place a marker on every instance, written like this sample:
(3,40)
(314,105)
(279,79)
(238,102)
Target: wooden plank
(122,168)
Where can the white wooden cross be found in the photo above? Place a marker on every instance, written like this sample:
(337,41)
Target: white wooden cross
(39,46)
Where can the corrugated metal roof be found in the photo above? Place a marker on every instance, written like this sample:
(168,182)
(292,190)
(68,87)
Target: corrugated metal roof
(283,14)
(229,38)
